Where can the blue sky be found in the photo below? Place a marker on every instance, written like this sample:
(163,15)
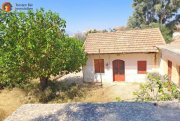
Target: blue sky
(82,15)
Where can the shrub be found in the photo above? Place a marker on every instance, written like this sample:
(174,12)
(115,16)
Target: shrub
(157,88)
(56,92)
(70,92)
(46,95)
(118,99)
(11,84)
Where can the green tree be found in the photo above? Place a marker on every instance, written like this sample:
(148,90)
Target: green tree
(162,12)
(166,32)
(33,45)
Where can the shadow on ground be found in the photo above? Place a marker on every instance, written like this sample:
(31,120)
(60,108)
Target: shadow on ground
(116,111)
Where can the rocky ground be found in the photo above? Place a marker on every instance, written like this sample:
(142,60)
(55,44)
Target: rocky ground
(116,111)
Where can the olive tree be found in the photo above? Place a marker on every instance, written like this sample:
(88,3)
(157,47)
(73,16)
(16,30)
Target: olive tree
(34,45)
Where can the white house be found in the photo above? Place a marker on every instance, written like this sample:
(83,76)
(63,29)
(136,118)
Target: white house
(122,55)
(170,58)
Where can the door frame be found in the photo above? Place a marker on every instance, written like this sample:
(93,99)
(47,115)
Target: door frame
(113,62)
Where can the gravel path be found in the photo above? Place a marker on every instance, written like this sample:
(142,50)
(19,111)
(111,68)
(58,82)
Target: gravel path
(115,111)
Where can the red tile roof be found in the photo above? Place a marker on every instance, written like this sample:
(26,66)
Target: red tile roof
(127,41)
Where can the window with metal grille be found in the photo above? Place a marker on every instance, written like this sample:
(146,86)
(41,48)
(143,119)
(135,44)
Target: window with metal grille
(99,65)
(142,67)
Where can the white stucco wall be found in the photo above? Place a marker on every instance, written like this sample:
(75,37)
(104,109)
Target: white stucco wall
(175,59)
(130,60)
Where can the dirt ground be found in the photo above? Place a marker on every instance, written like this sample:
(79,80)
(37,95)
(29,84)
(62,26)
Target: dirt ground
(113,92)
(10,100)
(108,93)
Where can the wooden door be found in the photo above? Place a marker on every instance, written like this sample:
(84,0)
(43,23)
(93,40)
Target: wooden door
(118,70)
(169,69)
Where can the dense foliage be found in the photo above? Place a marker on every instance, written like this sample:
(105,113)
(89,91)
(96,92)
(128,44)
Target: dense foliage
(33,45)
(162,12)
(157,88)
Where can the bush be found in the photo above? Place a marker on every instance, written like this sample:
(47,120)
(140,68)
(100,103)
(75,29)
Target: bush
(157,88)
(56,92)
(118,99)
(70,92)
(46,95)
(13,83)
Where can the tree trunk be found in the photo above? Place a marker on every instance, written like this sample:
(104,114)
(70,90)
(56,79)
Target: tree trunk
(43,82)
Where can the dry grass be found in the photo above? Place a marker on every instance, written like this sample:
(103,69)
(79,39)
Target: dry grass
(10,100)
(111,91)
(2,114)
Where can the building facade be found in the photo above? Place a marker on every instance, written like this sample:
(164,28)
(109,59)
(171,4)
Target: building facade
(122,55)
